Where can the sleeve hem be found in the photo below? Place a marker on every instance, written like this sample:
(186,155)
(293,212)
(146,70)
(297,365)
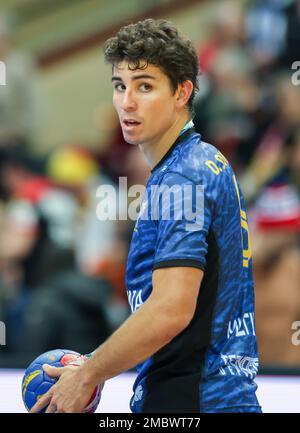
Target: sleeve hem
(188,263)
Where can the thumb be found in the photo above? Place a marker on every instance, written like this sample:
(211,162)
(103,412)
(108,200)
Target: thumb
(52,371)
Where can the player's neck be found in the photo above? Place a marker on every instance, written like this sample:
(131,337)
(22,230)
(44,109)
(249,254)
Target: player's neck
(157,149)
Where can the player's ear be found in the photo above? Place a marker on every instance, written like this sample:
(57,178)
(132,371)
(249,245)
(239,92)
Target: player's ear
(183,93)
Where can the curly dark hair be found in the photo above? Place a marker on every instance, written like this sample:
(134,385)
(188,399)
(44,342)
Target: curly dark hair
(159,43)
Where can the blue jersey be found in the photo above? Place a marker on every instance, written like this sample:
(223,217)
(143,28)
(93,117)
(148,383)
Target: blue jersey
(211,365)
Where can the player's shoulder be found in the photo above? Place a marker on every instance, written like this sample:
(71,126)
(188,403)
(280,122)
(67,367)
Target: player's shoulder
(195,159)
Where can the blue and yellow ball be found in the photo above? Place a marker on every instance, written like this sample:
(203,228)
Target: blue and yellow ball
(36,381)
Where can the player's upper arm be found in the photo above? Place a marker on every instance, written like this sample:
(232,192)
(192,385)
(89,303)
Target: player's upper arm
(175,293)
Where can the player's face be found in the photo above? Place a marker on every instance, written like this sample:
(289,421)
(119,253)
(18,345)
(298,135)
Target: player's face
(145,103)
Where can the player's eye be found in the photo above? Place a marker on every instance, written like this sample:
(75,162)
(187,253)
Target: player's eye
(119,87)
(145,87)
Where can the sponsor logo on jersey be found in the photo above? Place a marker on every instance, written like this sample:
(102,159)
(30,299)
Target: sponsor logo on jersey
(135,299)
(241,326)
(239,365)
(138,395)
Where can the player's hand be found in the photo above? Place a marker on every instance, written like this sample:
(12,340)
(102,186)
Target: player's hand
(69,394)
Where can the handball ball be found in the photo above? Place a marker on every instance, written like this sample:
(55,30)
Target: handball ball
(36,382)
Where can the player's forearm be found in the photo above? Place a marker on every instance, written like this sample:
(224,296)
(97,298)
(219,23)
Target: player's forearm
(140,336)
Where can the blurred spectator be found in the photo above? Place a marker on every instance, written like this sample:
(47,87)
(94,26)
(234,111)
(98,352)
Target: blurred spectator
(36,237)
(291,52)
(264,43)
(227,115)
(38,221)
(17,97)
(271,153)
(100,245)
(276,260)
(68,311)
(226,31)
(50,302)
(75,169)
(225,34)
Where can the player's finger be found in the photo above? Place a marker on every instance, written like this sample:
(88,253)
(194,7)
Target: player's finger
(52,408)
(41,403)
(52,371)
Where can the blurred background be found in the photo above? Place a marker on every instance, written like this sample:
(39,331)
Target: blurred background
(62,270)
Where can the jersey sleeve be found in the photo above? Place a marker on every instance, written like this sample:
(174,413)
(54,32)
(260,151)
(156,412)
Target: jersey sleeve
(183,224)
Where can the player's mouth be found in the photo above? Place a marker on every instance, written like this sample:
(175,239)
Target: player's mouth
(130,124)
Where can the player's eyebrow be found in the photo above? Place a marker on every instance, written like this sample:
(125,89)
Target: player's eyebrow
(135,77)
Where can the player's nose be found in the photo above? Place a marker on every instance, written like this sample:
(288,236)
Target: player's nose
(129,102)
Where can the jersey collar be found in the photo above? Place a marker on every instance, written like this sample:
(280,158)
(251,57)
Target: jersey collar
(184,134)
